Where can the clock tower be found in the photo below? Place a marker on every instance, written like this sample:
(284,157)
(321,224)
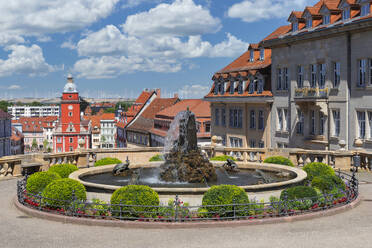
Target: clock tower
(71,129)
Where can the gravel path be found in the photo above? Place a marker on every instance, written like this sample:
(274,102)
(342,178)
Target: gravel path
(349,229)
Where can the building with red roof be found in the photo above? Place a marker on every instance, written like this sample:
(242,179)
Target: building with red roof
(71,129)
(327,53)
(164,118)
(103,130)
(17,145)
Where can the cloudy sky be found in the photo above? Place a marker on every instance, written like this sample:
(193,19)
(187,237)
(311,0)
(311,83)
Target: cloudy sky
(119,47)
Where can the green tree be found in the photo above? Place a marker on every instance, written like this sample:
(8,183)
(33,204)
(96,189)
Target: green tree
(45,144)
(124,105)
(34,144)
(4,105)
(36,103)
(83,104)
(109,110)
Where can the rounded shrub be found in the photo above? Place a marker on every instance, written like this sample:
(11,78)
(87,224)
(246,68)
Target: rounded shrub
(63,170)
(316,169)
(107,161)
(225,195)
(278,160)
(156,158)
(37,182)
(327,183)
(139,201)
(222,158)
(299,197)
(61,193)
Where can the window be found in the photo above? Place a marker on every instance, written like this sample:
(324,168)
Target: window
(251,56)
(365,9)
(252,143)
(216,117)
(252,123)
(232,87)
(221,88)
(59,149)
(280,120)
(336,123)
(262,53)
(236,118)
(261,125)
(251,86)
(361,115)
(300,122)
(313,76)
(236,142)
(345,14)
(59,140)
(279,79)
(312,123)
(71,149)
(286,78)
(215,88)
(322,76)
(294,26)
(260,86)
(326,19)
(362,72)
(261,144)
(286,121)
(309,22)
(321,123)
(69,113)
(240,87)
(223,117)
(300,76)
(336,74)
(207,127)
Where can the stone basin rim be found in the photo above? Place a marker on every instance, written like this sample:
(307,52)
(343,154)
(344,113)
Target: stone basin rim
(300,176)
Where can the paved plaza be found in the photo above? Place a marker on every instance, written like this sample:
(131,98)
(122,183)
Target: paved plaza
(349,229)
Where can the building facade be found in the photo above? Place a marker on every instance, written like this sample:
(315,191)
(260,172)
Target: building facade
(33,111)
(71,129)
(241,100)
(17,145)
(325,54)
(5,133)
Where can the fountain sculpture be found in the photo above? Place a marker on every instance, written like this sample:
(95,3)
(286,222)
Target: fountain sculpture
(183,159)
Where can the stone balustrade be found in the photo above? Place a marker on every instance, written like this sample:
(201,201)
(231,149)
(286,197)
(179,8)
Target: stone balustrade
(15,165)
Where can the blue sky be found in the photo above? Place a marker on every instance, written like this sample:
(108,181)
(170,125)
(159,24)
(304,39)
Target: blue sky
(116,48)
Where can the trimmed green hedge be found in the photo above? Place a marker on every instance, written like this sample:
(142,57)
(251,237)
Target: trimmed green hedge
(37,182)
(63,170)
(156,158)
(107,161)
(224,195)
(296,195)
(327,183)
(279,160)
(59,193)
(316,169)
(139,195)
(222,158)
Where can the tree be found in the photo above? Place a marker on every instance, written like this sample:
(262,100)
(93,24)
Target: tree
(83,104)
(4,105)
(45,144)
(124,105)
(109,110)
(35,103)
(34,144)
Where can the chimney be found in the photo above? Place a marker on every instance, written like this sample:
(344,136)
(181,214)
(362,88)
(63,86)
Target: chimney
(176,95)
(158,92)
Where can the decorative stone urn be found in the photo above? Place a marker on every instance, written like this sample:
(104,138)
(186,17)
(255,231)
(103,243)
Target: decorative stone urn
(81,143)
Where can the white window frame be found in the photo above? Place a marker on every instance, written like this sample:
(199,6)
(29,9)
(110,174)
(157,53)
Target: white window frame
(313,75)
(300,122)
(336,74)
(322,75)
(280,119)
(336,115)
(262,54)
(346,14)
(326,19)
(362,72)
(251,55)
(252,119)
(300,76)
(361,119)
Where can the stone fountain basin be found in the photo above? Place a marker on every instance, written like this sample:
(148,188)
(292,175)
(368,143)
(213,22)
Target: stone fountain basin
(300,175)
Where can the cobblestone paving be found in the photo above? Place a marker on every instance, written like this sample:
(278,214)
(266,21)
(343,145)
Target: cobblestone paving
(349,229)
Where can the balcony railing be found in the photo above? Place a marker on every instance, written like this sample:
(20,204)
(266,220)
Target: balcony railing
(311,92)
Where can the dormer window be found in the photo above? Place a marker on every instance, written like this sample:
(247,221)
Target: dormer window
(346,14)
(309,22)
(326,19)
(262,54)
(232,87)
(294,26)
(365,10)
(215,88)
(251,58)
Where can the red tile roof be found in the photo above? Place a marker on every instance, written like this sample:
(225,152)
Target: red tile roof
(96,119)
(199,107)
(36,124)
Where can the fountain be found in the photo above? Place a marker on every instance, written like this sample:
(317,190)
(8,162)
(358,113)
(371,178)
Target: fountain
(183,160)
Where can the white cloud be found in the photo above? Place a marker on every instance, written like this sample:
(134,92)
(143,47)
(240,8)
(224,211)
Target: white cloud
(133,3)
(8,38)
(44,38)
(162,48)
(256,10)
(193,91)
(25,60)
(39,17)
(181,18)
(14,87)
(69,44)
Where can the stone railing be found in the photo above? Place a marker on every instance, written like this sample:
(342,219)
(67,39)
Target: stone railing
(311,92)
(16,165)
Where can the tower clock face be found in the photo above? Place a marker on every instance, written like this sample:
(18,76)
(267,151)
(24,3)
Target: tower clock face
(70,107)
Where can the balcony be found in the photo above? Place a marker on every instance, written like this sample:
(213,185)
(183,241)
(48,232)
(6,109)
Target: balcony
(308,93)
